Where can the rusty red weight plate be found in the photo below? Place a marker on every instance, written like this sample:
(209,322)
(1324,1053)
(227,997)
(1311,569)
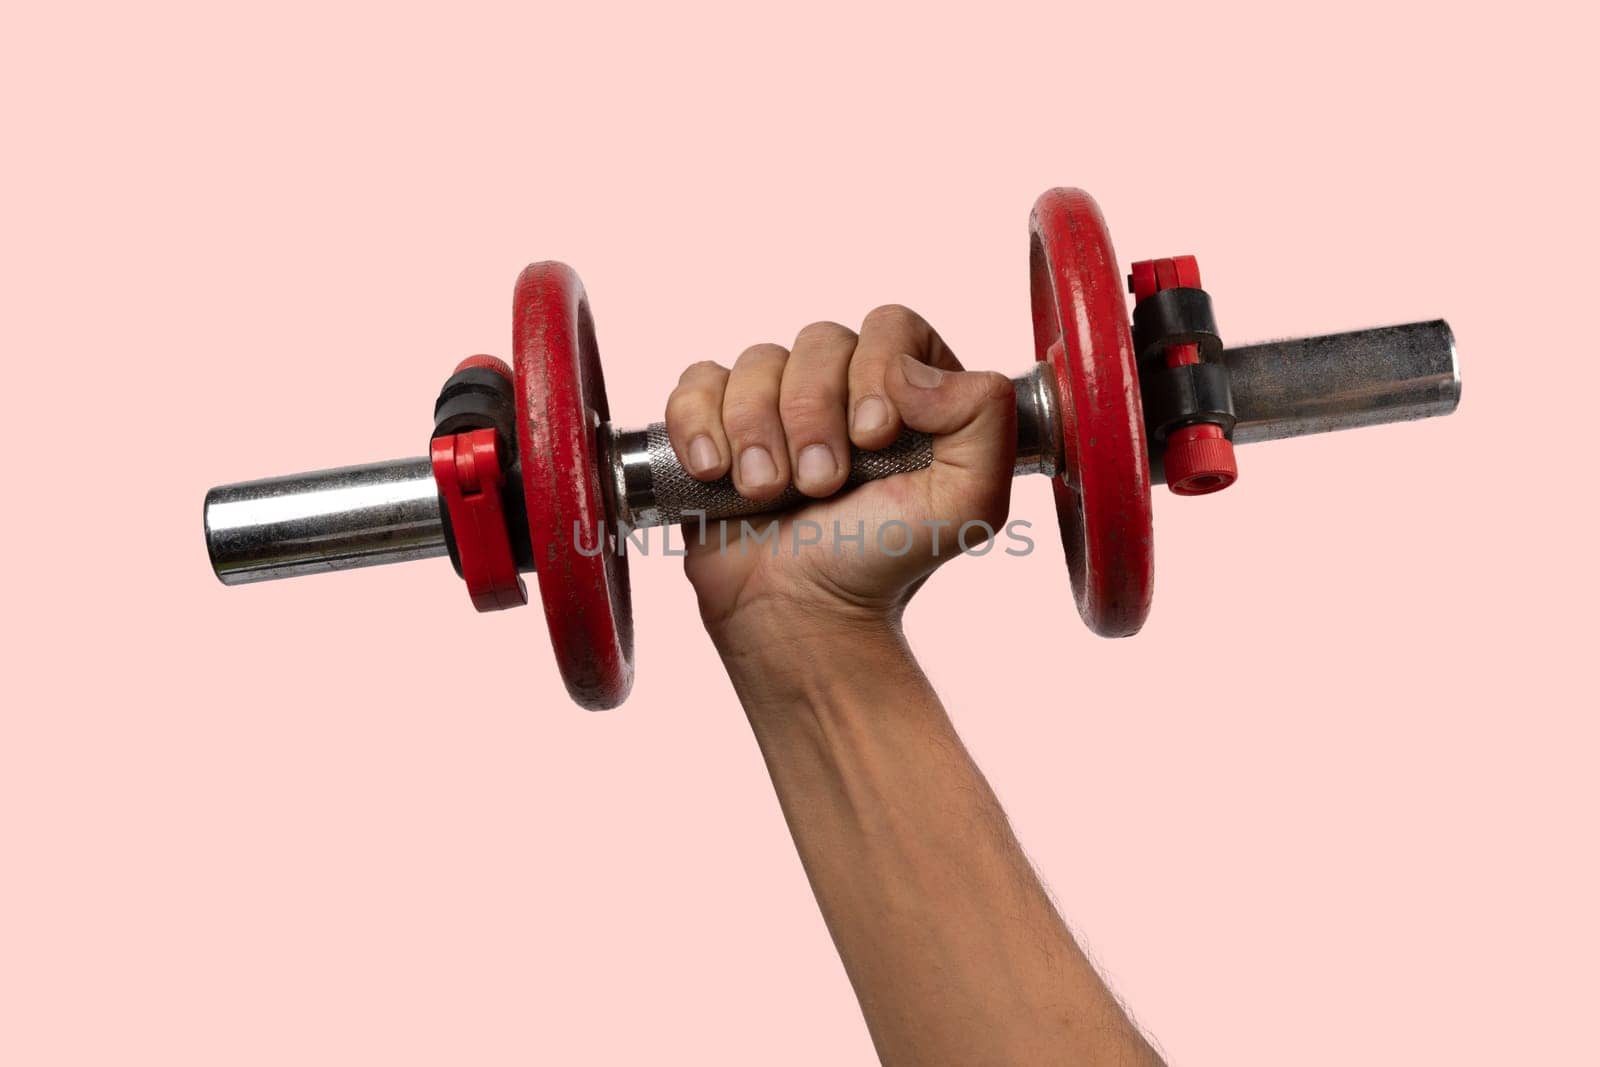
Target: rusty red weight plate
(561,403)
(1080,327)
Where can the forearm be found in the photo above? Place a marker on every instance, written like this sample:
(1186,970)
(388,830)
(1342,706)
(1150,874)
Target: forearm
(955,951)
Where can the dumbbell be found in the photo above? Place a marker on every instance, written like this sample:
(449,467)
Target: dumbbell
(527,473)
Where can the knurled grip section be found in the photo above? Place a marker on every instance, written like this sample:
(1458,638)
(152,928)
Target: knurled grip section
(677,492)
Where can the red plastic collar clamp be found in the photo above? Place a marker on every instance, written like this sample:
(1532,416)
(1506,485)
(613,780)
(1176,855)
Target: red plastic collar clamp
(466,468)
(1199,459)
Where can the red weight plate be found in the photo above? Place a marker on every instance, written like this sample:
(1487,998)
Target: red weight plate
(1080,327)
(561,402)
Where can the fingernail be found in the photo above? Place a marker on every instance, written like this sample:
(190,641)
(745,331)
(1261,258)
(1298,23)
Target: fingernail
(817,464)
(703,455)
(920,374)
(870,414)
(756,467)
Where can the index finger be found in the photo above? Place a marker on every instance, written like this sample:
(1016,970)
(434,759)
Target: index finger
(887,333)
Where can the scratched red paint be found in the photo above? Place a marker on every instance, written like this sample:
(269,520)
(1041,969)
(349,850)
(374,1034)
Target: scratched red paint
(1080,327)
(560,396)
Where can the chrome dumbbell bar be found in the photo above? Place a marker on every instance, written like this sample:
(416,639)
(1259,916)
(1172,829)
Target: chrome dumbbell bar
(389,512)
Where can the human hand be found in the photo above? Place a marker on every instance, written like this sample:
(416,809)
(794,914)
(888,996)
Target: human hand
(783,415)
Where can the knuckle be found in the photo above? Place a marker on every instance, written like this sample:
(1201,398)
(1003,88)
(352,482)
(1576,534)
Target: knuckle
(761,353)
(746,417)
(703,370)
(894,315)
(687,402)
(809,402)
(823,333)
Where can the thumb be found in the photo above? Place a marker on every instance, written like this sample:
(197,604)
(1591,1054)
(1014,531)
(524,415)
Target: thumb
(973,417)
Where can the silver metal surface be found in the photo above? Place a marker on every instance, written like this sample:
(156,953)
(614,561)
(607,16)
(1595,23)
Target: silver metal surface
(653,488)
(324,521)
(659,491)
(389,512)
(1343,380)
(633,494)
(1038,429)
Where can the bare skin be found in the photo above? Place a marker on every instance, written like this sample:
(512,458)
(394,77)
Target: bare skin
(952,945)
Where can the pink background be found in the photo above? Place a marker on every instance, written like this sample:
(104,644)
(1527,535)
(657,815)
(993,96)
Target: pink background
(284,824)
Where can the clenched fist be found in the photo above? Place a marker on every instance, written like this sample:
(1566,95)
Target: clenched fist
(790,415)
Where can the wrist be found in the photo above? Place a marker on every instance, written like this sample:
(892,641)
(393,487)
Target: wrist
(808,617)
(783,655)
